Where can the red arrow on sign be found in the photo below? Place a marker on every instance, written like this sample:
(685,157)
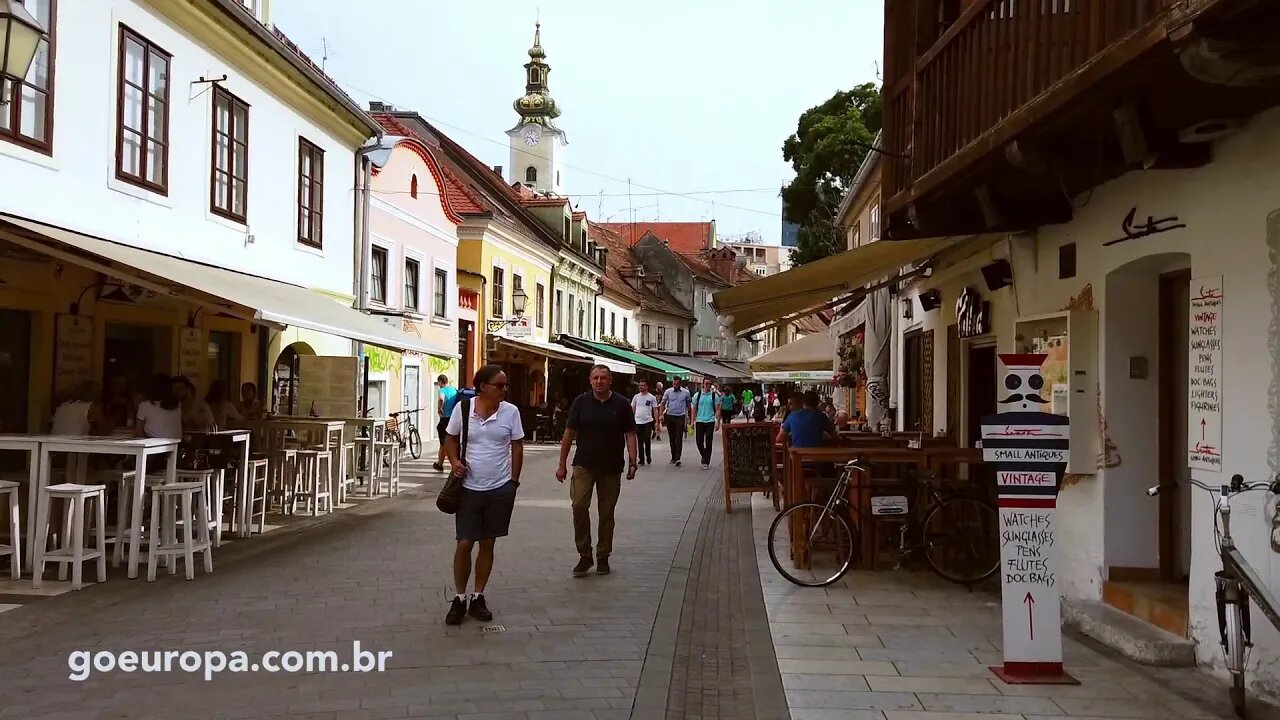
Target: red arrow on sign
(1031,625)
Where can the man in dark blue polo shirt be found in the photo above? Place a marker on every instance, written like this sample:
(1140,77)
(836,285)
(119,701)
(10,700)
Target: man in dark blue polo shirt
(808,427)
(602,423)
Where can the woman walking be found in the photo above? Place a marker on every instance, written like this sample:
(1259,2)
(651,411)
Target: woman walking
(490,470)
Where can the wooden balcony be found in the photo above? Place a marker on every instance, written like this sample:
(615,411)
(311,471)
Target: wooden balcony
(992,64)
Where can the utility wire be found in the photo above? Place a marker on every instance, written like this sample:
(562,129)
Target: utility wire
(464,131)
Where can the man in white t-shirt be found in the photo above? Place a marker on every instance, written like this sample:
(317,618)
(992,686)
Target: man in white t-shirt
(490,472)
(645,407)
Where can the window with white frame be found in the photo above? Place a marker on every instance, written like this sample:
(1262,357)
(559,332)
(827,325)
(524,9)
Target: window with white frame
(378,275)
(440,294)
(873,230)
(412,279)
(499,293)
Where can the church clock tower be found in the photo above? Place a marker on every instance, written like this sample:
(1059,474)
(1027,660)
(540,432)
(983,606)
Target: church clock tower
(537,145)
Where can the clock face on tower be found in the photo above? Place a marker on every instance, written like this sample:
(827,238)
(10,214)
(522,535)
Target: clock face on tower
(531,136)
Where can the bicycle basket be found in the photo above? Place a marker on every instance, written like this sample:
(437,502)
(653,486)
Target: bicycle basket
(393,425)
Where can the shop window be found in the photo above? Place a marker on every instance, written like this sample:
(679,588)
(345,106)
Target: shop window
(26,114)
(142,113)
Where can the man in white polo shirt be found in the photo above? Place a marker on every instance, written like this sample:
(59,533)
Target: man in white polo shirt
(491,473)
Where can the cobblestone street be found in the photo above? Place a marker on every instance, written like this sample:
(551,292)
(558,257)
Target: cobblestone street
(679,631)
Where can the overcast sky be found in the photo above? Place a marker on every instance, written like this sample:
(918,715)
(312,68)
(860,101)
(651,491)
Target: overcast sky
(679,96)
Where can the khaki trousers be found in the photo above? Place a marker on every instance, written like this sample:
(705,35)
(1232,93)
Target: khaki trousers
(607,486)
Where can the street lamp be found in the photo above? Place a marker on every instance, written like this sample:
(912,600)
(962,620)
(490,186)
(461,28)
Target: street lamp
(519,299)
(20,36)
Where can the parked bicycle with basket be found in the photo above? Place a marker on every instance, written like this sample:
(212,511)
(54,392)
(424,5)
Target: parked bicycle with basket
(813,544)
(405,433)
(1236,584)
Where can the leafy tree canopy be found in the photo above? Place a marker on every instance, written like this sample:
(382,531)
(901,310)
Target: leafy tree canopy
(828,147)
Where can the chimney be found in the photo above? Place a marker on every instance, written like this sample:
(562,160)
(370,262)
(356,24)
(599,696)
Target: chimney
(722,262)
(497,170)
(378,106)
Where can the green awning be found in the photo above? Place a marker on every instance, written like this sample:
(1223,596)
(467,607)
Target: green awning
(648,363)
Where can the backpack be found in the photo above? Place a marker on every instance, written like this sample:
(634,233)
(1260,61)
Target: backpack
(714,403)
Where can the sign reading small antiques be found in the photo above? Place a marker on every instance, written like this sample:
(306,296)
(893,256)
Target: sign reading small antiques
(1028,450)
(973,314)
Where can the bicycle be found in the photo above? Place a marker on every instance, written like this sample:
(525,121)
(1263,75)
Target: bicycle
(831,540)
(1235,584)
(410,434)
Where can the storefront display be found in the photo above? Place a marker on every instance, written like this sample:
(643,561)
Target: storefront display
(1069,342)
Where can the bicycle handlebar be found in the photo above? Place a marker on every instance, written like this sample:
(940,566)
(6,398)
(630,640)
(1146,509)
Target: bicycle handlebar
(1238,486)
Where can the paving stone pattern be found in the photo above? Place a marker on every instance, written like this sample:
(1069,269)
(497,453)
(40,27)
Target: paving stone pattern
(572,649)
(909,646)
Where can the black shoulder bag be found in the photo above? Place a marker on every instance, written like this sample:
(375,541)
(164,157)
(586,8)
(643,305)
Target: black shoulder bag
(447,500)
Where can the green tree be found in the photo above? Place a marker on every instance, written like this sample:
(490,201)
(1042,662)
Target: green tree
(828,147)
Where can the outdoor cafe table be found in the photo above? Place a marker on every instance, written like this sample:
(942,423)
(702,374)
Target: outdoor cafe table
(242,523)
(30,444)
(924,459)
(138,448)
(329,429)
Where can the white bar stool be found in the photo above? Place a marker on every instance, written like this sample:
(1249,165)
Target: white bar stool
(165,502)
(282,482)
(259,473)
(71,548)
(389,466)
(313,485)
(9,489)
(214,496)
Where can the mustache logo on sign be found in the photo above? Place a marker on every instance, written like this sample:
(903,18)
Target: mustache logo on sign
(1019,397)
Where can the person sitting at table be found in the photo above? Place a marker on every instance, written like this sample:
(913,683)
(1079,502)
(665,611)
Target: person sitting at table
(250,406)
(197,416)
(807,427)
(116,408)
(77,414)
(160,415)
(225,413)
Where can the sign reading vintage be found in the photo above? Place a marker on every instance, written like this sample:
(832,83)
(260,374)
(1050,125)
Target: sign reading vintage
(1029,451)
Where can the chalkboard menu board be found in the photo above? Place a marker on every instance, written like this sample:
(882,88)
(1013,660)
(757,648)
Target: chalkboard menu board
(748,458)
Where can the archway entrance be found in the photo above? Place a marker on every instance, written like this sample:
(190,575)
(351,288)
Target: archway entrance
(284,379)
(1146,377)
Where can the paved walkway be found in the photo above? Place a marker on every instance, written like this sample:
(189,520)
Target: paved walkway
(558,648)
(909,646)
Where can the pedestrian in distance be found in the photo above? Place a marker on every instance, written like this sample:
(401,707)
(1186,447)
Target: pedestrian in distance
(748,398)
(447,398)
(705,403)
(489,463)
(602,423)
(728,406)
(674,416)
(645,407)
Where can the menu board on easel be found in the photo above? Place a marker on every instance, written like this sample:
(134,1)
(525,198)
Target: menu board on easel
(327,385)
(192,356)
(748,458)
(73,354)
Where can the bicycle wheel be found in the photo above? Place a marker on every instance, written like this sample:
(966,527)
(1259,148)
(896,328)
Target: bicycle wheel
(960,537)
(1234,654)
(811,545)
(415,443)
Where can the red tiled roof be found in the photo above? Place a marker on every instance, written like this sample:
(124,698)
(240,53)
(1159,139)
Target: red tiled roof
(681,236)
(811,324)
(456,193)
(579,215)
(545,202)
(633,289)
(699,267)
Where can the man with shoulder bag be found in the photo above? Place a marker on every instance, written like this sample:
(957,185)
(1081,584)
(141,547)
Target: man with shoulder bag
(486,468)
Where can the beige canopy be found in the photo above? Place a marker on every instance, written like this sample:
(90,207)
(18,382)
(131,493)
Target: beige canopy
(815,352)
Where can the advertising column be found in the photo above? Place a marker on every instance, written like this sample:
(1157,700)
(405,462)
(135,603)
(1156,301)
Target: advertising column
(1028,449)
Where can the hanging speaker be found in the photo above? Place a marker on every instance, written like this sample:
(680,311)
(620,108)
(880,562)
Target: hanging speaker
(997,275)
(930,300)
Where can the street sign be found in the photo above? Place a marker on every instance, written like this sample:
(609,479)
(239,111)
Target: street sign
(1028,449)
(519,328)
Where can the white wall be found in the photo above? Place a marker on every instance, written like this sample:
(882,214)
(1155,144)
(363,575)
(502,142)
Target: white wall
(76,186)
(612,308)
(1228,207)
